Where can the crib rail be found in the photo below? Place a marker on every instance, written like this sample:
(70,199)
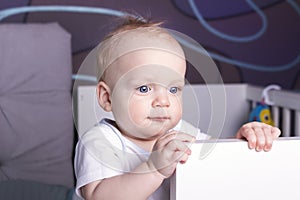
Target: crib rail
(285,111)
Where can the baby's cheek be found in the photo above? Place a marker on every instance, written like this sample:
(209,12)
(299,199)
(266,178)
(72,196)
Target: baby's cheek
(177,110)
(176,104)
(137,110)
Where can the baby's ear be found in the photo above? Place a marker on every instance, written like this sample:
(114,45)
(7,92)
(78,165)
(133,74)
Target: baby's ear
(103,94)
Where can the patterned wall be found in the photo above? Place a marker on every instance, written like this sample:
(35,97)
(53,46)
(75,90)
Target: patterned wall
(251,41)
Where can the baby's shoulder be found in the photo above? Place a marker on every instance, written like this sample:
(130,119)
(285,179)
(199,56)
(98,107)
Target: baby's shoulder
(101,136)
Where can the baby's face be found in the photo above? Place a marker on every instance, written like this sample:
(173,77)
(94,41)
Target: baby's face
(146,94)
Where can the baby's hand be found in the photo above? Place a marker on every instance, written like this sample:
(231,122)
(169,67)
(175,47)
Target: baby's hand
(168,150)
(259,135)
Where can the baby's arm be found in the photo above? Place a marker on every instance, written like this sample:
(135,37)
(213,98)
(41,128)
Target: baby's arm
(170,149)
(134,185)
(260,136)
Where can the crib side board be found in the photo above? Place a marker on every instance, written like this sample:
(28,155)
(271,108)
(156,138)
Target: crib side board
(201,105)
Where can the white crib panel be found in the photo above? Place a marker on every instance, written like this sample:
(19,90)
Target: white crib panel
(210,104)
(232,171)
(89,111)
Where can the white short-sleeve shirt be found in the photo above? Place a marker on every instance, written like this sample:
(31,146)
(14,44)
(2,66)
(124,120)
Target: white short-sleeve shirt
(103,152)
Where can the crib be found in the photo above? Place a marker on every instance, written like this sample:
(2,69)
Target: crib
(234,102)
(228,169)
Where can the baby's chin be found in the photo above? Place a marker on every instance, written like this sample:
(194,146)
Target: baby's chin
(149,130)
(150,133)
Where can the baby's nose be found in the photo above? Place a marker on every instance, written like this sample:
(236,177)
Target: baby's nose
(161,99)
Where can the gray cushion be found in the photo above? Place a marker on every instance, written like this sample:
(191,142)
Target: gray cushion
(36,126)
(31,190)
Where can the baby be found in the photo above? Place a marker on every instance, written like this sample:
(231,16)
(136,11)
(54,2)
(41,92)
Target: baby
(141,77)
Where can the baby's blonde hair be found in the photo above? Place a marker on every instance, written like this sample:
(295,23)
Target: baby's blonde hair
(134,34)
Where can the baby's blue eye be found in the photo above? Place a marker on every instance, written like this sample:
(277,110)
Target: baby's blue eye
(144,89)
(173,90)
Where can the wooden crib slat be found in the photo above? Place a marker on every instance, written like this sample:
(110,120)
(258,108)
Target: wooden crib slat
(253,104)
(286,122)
(275,115)
(297,123)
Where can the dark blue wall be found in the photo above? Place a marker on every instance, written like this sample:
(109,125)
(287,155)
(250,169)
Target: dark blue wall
(256,43)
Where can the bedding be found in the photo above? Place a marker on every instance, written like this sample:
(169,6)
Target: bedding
(36,125)
(31,190)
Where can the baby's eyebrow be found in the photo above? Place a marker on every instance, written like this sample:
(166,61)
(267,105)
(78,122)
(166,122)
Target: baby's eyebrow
(180,82)
(138,81)
(150,79)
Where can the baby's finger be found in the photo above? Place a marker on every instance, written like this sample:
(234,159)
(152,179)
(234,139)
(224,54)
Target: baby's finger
(180,157)
(260,138)
(268,138)
(165,139)
(249,134)
(184,137)
(275,132)
(177,145)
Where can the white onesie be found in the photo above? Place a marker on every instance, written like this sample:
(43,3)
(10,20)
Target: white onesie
(103,152)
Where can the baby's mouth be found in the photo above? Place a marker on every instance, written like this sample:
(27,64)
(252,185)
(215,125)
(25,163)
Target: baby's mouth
(159,118)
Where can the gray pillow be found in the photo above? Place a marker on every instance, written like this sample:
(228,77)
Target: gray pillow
(36,125)
(31,190)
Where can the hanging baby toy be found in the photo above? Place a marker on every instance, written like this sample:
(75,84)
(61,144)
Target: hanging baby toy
(262,112)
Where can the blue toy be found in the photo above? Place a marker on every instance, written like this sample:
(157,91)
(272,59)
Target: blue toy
(262,112)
